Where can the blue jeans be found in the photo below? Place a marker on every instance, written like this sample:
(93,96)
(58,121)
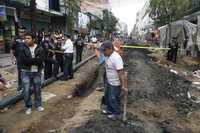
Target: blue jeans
(112,99)
(31,83)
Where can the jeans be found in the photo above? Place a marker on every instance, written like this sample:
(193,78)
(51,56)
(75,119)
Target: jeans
(68,66)
(19,74)
(112,99)
(31,83)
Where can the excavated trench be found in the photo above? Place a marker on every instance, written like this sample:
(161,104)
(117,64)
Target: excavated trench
(157,101)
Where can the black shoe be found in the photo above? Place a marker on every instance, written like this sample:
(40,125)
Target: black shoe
(63,79)
(71,77)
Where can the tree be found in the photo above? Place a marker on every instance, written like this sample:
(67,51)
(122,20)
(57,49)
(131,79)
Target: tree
(109,22)
(72,7)
(166,11)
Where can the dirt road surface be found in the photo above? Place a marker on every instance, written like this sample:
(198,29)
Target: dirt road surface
(158,102)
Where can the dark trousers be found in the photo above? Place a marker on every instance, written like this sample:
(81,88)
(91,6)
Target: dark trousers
(59,60)
(79,52)
(169,55)
(29,80)
(112,99)
(68,66)
(50,68)
(174,55)
(19,74)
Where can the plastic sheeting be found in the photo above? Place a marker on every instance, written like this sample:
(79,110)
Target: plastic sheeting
(179,29)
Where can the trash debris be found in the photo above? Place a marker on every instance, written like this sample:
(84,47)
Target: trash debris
(196,73)
(47,96)
(53,131)
(69,97)
(174,71)
(189,95)
(196,83)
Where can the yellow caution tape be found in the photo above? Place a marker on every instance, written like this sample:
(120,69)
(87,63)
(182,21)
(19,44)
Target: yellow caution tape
(140,47)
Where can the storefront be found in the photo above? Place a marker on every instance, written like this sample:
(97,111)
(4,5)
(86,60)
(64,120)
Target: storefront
(7,27)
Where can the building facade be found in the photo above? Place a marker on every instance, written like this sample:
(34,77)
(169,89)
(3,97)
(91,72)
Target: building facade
(144,24)
(47,15)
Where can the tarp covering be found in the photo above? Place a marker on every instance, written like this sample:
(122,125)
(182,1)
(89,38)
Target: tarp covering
(180,29)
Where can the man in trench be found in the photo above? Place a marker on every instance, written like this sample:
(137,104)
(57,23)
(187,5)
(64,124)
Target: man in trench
(115,80)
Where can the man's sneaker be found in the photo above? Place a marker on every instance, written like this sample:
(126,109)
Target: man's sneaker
(28,111)
(40,109)
(114,117)
(105,112)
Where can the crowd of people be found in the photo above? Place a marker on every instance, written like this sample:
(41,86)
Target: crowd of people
(52,52)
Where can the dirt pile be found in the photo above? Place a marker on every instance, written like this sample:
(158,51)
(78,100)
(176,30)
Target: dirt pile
(101,124)
(176,88)
(157,82)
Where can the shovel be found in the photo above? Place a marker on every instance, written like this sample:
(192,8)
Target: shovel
(125,99)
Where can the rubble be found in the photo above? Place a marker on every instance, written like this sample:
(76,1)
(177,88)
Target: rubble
(196,73)
(173,71)
(165,84)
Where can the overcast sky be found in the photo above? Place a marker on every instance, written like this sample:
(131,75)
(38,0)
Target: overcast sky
(126,10)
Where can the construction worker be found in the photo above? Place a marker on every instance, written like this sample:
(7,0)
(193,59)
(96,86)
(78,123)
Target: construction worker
(115,80)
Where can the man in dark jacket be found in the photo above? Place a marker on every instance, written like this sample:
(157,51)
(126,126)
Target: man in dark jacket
(79,44)
(59,54)
(31,60)
(15,50)
(174,49)
(51,64)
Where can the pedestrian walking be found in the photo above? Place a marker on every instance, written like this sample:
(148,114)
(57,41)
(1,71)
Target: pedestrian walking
(68,58)
(17,42)
(31,59)
(115,80)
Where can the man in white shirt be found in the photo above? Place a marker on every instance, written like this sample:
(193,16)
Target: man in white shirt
(68,49)
(115,80)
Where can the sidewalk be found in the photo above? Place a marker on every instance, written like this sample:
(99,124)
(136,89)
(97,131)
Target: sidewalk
(5,60)
(9,72)
(59,94)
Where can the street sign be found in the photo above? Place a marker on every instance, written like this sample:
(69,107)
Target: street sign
(3,13)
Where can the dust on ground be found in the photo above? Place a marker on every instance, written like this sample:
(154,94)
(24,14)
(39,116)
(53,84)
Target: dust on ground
(57,109)
(157,103)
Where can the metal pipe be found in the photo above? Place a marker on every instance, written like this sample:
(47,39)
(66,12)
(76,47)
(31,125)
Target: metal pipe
(18,97)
